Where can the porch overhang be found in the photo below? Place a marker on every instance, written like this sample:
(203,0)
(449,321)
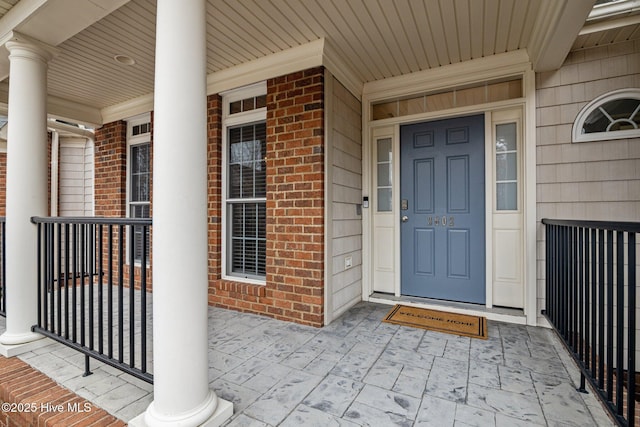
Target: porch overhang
(247,42)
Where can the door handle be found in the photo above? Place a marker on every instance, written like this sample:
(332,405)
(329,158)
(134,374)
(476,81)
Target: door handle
(405,218)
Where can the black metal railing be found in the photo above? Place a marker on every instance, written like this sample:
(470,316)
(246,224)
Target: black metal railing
(89,295)
(591,280)
(3,263)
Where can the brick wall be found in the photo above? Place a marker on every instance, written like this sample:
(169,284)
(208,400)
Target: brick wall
(111,185)
(46,403)
(295,204)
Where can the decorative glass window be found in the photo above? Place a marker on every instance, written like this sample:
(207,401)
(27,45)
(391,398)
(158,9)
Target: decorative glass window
(140,193)
(384,175)
(246,200)
(506,167)
(139,180)
(615,115)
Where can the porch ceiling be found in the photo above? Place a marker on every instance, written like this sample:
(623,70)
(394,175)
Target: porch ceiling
(374,39)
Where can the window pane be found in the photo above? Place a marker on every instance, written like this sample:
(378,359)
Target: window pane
(140,211)
(384,174)
(384,150)
(506,137)
(506,167)
(507,196)
(384,199)
(140,169)
(248,242)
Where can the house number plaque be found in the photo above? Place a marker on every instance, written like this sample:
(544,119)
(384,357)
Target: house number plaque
(443,221)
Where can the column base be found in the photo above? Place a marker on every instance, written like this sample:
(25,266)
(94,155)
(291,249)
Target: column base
(149,418)
(14,345)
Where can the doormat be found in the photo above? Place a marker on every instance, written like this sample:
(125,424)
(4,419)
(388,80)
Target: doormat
(440,321)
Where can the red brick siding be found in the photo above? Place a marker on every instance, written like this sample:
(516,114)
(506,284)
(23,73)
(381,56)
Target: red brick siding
(295,204)
(110,186)
(24,386)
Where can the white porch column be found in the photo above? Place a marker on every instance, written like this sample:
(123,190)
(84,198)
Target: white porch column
(26,194)
(180,271)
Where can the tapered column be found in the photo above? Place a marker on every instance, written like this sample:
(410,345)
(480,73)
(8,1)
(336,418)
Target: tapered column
(26,193)
(180,272)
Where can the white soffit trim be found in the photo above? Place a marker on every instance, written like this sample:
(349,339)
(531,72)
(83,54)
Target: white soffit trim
(341,71)
(461,73)
(313,54)
(555,30)
(74,112)
(607,25)
(133,107)
(284,62)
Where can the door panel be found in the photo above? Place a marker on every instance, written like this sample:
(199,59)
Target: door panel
(443,229)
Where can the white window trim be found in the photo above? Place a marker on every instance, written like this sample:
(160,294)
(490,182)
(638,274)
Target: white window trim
(228,121)
(131,141)
(578,136)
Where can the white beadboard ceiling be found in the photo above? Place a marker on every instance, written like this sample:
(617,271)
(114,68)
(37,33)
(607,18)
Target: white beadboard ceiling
(375,39)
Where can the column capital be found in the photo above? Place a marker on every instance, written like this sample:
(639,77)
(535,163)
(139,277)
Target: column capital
(25,46)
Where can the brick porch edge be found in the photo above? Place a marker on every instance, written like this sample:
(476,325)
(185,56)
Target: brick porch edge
(31,399)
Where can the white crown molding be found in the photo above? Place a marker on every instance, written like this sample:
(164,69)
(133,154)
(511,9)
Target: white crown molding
(73,111)
(461,73)
(314,54)
(19,14)
(340,70)
(278,64)
(556,28)
(609,24)
(130,108)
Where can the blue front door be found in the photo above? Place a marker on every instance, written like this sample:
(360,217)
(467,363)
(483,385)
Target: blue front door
(443,209)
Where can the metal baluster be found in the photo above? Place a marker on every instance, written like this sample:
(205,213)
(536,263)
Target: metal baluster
(601,305)
(609,306)
(631,327)
(619,342)
(100,290)
(120,294)
(143,302)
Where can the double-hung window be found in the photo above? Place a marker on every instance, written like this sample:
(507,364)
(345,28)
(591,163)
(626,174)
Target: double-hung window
(244,187)
(139,179)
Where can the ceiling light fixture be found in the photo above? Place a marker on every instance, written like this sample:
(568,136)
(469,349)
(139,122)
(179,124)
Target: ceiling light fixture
(124,59)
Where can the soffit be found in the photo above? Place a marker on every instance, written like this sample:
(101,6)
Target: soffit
(607,36)
(6,5)
(375,39)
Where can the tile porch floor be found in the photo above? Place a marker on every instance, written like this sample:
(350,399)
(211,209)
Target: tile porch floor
(359,371)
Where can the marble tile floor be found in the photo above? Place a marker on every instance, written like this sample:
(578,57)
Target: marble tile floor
(359,371)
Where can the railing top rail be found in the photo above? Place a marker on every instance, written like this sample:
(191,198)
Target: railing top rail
(631,227)
(90,220)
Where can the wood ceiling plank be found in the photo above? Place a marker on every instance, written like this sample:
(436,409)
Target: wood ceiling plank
(392,19)
(251,33)
(463,18)
(533,9)
(518,22)
(503,27)
(419,14)
(491,12)
(354,42)
(437,31)
(412,33)
(450,26)
(477,27)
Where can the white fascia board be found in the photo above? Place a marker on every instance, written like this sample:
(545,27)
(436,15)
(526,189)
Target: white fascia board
(133,107)
(556,28)
(341,71)
(278,64)
(55,21)
(314,54)
(73,112)
(461,73)
(18,14)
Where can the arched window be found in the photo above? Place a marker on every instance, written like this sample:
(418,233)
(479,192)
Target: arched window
(614,115)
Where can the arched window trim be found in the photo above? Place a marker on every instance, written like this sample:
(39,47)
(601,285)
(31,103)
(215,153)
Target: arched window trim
(578,136)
